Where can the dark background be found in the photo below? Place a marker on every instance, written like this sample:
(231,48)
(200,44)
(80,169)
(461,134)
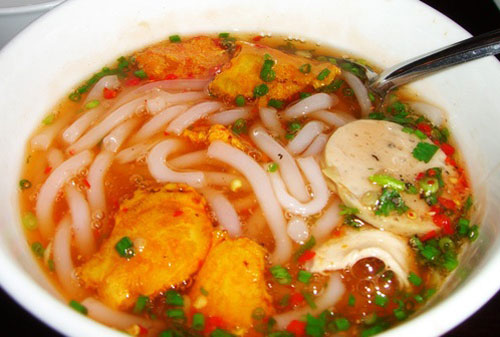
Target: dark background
(477,17)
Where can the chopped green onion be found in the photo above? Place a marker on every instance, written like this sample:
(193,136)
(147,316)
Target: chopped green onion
(385,180)
(323,74)
(380,300)
(289,136)
(78,307)
(272,167)
(376,115)
(267,74)
(285,300)
(92,104)
(281,274)
(305,68)
(446,244)
(468,203)
(418,298)
(294,126)
(50,264)
(315,326)
(239,126)
(414,279)
(429,292)
(344,210)
(221,333)
(260,90)
(140,304)
(342,324)
(332,60)
(309,298)
(463,227)
(24,184)
(371,97)
(240,100)
(430,252)
(429,185)
(37,249)
(473,233)
(275,103)
(223,35)
(258,314)
(372,331)
(125,247)
(424,151)
(352,300)
(141,74)
(174,38)
(198,321)
(304,276)
(416,243)
(281,334)
(49,119)
(400,314)
(172,297)
(203,291)
(303,95)
(306,246)
(175,313)
(29,221)
(390,200)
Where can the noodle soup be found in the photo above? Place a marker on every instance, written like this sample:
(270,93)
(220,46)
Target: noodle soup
(220,185)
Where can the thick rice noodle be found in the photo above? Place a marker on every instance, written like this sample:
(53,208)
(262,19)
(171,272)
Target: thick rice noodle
(80,219)
(55,157)
(98,132)
(160,170)
(44,138)
(228,117)
(224,211)
(286,164)
(255,174)
(63,262)
(326,299)
(163,99)
(305,137)
(95,194)
(334,118)
(193,114)
(109,82)
(360,92)
(51,186)
(320,191)
(191,159)
(137,151)
(158,123)
(115,139)
(329,220)
(271,120)
(310,104)
(78,127)
(317,146)
(297,229)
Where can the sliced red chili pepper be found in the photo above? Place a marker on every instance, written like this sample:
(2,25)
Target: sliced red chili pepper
(296,299)
(212,323)
(420,176)
(142,330)
(296,327)
(450,204)
(428,236)
(47,169)
(86,183)
(308,254)
(447,149)
(109,93)
(450,161)
(444,222)
(436,209)
(132,81)
(178,212)
(171,77)
(257,38)
(425,128)
(431,173)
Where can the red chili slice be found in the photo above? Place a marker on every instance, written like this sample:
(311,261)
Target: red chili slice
(428,236)
(444,222)
(296,299)
(296,327)
(109,93)
(450,204)
(425,128)
(447,149)
(308,254)
(171,77)
(132,81)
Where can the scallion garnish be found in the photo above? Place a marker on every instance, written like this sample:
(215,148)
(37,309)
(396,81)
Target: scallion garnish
(37,249)
(78,307)
(174,38)
(260,90)
(223,35)
(175,313)
(92,104)
(24,184)
(239,126)
(385,180)
(323,74)
(125,247)
(29,221)
(258,314)
(172,297)
(281,274)
(198,321)
(305,68)
(381,300)
(49,119)
(273,167)
(221,333)
(414,279)
(304,276)
(342,324)
(140,74)
(140,304)
(267,74)
(352,300)
(275,103)
(240,100)
(424,151)
(303,95)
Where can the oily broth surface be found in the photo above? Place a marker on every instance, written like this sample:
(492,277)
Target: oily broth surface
(362,281)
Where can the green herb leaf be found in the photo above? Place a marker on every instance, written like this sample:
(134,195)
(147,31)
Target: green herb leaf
(240,100)
(414,279)
(125,247)
(304,276)
(239,126)
(281,274)
(172,297)
(424,151)
(260,90)
(275,103)
(174,38)
(78,307)
(140,304)
(323,74)
(390,200)
(385,180)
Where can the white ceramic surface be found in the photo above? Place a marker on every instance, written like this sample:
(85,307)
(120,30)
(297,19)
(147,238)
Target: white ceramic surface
(17,14)
(65,46)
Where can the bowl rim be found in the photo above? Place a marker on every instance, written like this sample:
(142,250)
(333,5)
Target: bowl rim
(17,278)
(28,9)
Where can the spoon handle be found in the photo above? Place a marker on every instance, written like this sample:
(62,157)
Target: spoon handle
(463,51)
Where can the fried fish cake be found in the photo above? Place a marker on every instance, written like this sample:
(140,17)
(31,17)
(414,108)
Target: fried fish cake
(231,282)
(171,234)
(198,57)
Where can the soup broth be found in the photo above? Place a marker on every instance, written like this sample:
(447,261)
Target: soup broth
(250,185)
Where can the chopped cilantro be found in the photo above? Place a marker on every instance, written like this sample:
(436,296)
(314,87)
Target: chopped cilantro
(390,200)
(424,151)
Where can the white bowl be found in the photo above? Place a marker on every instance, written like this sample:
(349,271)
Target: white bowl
(17,14)
(64,47)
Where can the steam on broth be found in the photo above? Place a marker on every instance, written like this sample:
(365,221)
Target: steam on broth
(243,186)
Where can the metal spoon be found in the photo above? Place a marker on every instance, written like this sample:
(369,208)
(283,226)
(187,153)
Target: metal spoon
(463,51)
